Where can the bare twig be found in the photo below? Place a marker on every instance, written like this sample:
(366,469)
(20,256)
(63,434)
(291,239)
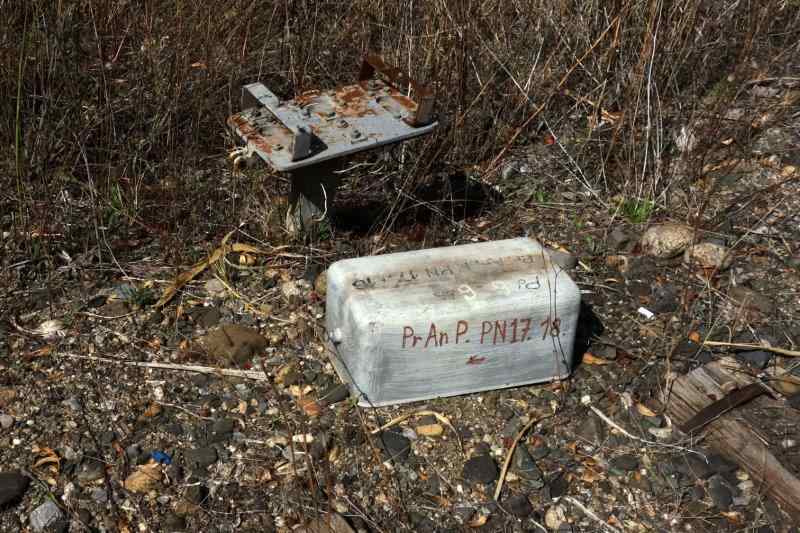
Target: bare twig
(541,106)
(588,512)
(510,454)
(248,374)
(779,351)
(625,432)
(94,315)
(440,417)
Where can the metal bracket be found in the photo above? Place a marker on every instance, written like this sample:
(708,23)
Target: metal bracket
(319,126)
(425,99)
(290,117)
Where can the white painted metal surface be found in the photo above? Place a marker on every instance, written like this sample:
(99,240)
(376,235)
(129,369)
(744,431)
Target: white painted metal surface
(448,321)
(320,126)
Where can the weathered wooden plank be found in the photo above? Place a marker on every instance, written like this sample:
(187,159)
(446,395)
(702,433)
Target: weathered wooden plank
(732,434)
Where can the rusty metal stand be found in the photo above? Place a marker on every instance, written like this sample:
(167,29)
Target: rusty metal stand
(311,135)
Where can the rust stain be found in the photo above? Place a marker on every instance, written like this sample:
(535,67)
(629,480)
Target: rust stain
(249,133)
(307,97)
(405,101)
(351,101)
(349,94)
(354,112)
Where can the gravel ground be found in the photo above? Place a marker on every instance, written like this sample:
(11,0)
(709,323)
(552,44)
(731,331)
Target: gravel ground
(90,442)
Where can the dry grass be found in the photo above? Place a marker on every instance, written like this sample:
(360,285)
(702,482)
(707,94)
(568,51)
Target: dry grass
(115,96)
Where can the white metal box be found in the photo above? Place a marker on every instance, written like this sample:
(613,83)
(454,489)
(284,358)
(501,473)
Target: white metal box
(446,321)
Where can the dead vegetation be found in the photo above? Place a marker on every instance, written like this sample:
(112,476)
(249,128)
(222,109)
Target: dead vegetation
(115,101)
(115,144)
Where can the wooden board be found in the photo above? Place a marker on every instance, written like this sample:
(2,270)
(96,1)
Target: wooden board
(742,434)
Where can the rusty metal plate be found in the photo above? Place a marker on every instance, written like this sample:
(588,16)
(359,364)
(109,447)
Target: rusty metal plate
(318,126)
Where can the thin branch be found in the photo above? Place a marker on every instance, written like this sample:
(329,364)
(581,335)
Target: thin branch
(780,351)
(248,374)
(619,428)
(510,454)
(588,512)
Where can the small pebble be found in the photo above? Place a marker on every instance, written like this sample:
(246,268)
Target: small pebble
(6,421)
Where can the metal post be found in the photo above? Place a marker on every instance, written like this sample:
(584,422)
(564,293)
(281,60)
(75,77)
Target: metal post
(312,195)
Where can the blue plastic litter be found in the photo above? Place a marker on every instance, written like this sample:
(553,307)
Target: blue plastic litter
(161,457)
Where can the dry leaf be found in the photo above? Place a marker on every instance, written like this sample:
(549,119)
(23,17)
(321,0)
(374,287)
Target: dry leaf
(154,344)
(246,248)
(479,520)
(145,478)
(42,352)
(152,410)
(47,456)
(590,359)
(310,407)
(185,277)
(589,475)
(572,447)
(644,410)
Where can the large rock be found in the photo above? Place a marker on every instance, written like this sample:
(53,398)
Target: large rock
(666,240)
(232,343)
(708,255)
(12,486)
(45,516)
